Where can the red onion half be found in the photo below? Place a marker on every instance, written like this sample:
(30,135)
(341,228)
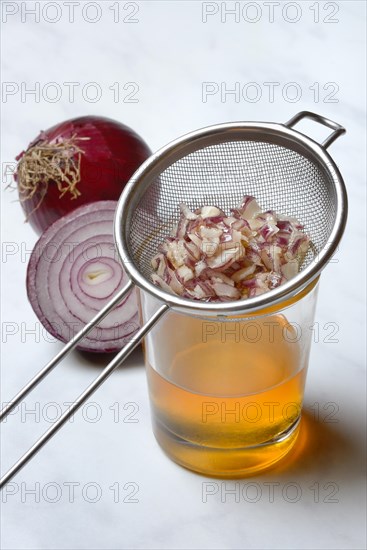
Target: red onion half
(77,162)
(73,272)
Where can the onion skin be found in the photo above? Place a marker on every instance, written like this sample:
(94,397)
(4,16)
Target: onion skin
(110,156)
(63,287)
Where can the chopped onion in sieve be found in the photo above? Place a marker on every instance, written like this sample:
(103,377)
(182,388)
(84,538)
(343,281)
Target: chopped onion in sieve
(217,257)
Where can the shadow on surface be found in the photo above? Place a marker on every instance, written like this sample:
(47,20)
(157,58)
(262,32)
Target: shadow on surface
(321,447)
(100,360)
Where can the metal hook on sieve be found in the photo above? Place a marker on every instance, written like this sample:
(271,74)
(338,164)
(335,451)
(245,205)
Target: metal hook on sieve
(338,129)
(147,175)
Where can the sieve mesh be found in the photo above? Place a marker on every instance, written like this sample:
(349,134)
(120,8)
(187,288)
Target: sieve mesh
(279,178)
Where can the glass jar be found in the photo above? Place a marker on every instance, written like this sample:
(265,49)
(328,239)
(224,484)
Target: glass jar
(226,393)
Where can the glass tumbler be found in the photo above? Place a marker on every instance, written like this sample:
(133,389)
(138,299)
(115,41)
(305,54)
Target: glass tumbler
(226,393)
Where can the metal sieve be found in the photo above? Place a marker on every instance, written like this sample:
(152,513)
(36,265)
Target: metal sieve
(285,170)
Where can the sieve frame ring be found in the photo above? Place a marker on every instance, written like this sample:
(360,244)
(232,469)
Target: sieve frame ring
(277,133)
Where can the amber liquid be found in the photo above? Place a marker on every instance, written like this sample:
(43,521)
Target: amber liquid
(229,404)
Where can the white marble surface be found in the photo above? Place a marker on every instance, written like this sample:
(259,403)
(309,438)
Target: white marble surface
(169,53)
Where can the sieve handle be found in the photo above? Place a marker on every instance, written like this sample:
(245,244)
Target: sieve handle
(64,351)
(338,129)
(83,397)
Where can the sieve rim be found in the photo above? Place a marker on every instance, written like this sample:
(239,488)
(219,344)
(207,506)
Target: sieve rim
(151,168)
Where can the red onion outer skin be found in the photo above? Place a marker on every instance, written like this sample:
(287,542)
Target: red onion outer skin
(111,156)
(62,302)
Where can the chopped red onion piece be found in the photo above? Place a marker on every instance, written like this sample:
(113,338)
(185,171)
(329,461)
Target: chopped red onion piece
(226,291)
(210,212)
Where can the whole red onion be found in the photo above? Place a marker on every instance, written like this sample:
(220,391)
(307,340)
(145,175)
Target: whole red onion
(77,162)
